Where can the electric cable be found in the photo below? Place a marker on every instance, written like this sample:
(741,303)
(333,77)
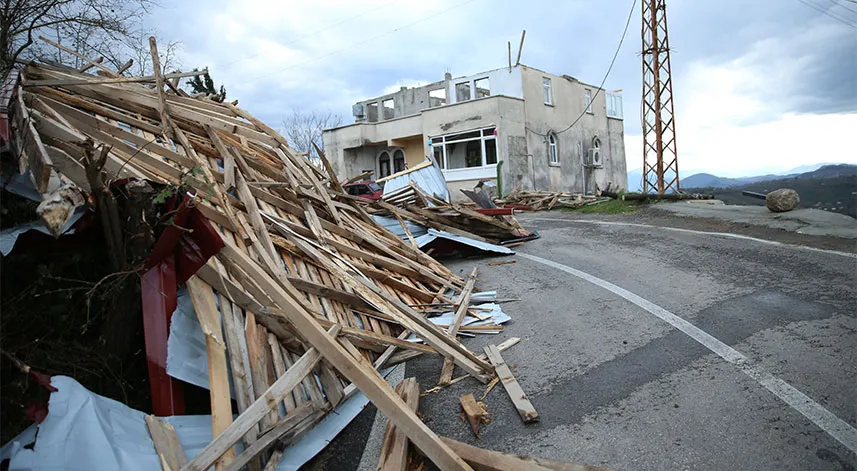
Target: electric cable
(600,87)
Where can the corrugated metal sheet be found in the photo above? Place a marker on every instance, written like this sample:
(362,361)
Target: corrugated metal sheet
(424,236)
(429,178)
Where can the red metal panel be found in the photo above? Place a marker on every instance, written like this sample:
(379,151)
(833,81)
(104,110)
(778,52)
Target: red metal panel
(158,287)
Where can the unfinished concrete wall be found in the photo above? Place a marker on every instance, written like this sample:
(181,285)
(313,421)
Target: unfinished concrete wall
(567,103)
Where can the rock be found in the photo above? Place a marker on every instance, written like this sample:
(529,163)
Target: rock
(782,200)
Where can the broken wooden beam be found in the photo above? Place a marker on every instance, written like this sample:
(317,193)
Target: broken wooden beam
(394,448)
(516,394)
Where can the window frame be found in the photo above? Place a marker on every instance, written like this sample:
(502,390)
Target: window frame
(485,170)
(403,159)
(389,164)
(547,90)
(383,109)
(469,96)
(587,99)
(486,80)
(553,149)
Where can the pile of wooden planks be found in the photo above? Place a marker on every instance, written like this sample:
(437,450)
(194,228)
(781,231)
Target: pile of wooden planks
(413,204)
(546,200)
(309,296)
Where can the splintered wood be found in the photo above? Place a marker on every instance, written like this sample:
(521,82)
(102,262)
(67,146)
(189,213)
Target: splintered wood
(411,203)
(309,296)
(546,200)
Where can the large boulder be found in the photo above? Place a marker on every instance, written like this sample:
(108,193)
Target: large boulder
(782,200)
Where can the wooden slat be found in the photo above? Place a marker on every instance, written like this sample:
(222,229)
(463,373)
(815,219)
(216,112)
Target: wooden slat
(394,448)
(266,402)
(167,444)
(463,302)
(516,394)
(487,460)
(221,404)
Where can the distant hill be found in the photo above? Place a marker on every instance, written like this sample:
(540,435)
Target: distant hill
(831,188)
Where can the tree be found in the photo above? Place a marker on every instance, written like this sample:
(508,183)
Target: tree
(85,26)
(205,86)
(302,129)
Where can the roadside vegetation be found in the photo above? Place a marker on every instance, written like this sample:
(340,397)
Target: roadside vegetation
(606,207)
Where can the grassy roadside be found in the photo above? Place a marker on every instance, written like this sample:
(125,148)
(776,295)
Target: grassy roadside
(607,207)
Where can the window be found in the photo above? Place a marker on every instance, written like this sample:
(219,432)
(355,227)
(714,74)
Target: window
(372,112)
(437,97)
(614,105)
(384,165)
(588,100)
(483,87)
(437,151)
(389,108)
(467,155)
(546,86)
(462,91)
(553,154)
(398,161)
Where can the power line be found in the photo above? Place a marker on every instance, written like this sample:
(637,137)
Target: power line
(426,18)
(826,12)
(600,87)
(844,7)
(315,33)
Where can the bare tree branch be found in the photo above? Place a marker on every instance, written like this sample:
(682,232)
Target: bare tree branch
(302,129)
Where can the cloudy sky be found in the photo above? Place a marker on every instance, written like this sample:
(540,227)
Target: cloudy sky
(759,86)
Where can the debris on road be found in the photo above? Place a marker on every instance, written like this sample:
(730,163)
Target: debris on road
(473,413)
(516,394)
(544,200)
(504,262)
(299,295)
(478,458)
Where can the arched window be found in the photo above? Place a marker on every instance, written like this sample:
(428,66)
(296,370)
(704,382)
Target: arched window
(553,152)
(398,161)
(383,165)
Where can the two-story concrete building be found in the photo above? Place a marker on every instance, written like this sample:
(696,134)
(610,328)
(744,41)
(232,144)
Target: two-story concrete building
(521,126)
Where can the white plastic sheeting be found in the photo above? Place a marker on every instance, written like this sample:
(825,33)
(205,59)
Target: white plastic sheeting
(87,432)
(424,236)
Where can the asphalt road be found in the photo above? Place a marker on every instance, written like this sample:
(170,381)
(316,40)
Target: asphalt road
(664,350)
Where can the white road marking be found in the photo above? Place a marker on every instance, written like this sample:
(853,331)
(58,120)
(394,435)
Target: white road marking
(823,418)
(691,231)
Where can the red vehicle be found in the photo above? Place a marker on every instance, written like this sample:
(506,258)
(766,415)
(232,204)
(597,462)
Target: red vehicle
(365,189)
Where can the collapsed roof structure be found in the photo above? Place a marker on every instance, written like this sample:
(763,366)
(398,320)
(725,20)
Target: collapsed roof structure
(302,295)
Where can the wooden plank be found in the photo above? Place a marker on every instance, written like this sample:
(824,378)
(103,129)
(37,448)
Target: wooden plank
(106,70)
(463,302)
(516,394)
(204,304)
(266,402)
(334,182)
(166,122)
(256,356)
(167,444)
(101,81)
(487,460)
(473,412)
(358,372)
(280,369)
(407,316)
(394,448)
(38,160)
(284,431)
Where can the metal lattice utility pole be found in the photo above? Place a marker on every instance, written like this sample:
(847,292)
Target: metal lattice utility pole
(660,159)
